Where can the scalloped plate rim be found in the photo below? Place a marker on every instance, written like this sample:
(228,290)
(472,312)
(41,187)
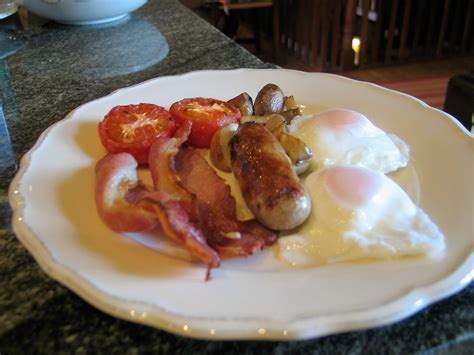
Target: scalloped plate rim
(305,328)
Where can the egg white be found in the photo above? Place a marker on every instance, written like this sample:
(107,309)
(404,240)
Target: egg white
(339,136)
(359,213)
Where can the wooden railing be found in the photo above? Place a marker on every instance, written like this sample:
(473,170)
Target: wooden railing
(323,34)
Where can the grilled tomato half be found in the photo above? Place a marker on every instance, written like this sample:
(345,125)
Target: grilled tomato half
(206,116)
(133,129)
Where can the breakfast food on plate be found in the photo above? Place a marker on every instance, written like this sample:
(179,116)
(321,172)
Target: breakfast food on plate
(297,151)
(219,149)
(133,128)
(346,137)
(244,103)
(206,115)
(118,192)
(216,208)
(201,217)
(359,214)
(270,99)
(345,209)
(267,179)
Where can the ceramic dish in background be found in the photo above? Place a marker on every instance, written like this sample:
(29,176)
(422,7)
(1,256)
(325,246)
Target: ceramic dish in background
(7,8)
(82,12)
(52,198)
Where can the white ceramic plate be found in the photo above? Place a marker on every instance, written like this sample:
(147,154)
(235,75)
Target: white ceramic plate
(256,298)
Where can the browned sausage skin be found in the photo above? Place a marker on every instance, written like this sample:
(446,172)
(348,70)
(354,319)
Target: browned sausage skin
(267,179)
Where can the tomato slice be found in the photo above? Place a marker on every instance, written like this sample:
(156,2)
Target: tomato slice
(206,115)
(133,128)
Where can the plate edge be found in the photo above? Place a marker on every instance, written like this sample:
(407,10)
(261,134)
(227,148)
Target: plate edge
(51,267)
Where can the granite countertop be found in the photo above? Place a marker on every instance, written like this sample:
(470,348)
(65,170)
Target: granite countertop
(49,69)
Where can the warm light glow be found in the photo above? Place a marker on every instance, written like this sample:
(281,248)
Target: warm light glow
(356,48)
(356,43)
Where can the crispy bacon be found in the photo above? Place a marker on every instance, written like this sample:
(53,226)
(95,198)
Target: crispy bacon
(175,204)
(126,205)
(174,220)
(198,177)
(216,208)
(190,201)
(161,163)
(118,195)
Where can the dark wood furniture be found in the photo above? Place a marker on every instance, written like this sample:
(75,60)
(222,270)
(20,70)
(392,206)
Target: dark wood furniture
(319,33)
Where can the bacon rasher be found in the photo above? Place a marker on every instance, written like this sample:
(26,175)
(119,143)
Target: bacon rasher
(119,195)
(190,201)
(175,204)
(216,208)
(126,205)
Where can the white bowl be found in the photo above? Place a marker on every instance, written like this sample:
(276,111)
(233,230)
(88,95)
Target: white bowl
(82,12)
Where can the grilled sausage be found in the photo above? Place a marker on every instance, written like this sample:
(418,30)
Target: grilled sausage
(267,179)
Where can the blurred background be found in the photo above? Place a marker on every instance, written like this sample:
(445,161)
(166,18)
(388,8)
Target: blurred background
(424,48)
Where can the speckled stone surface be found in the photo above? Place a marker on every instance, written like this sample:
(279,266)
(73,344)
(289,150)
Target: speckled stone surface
(50,69)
